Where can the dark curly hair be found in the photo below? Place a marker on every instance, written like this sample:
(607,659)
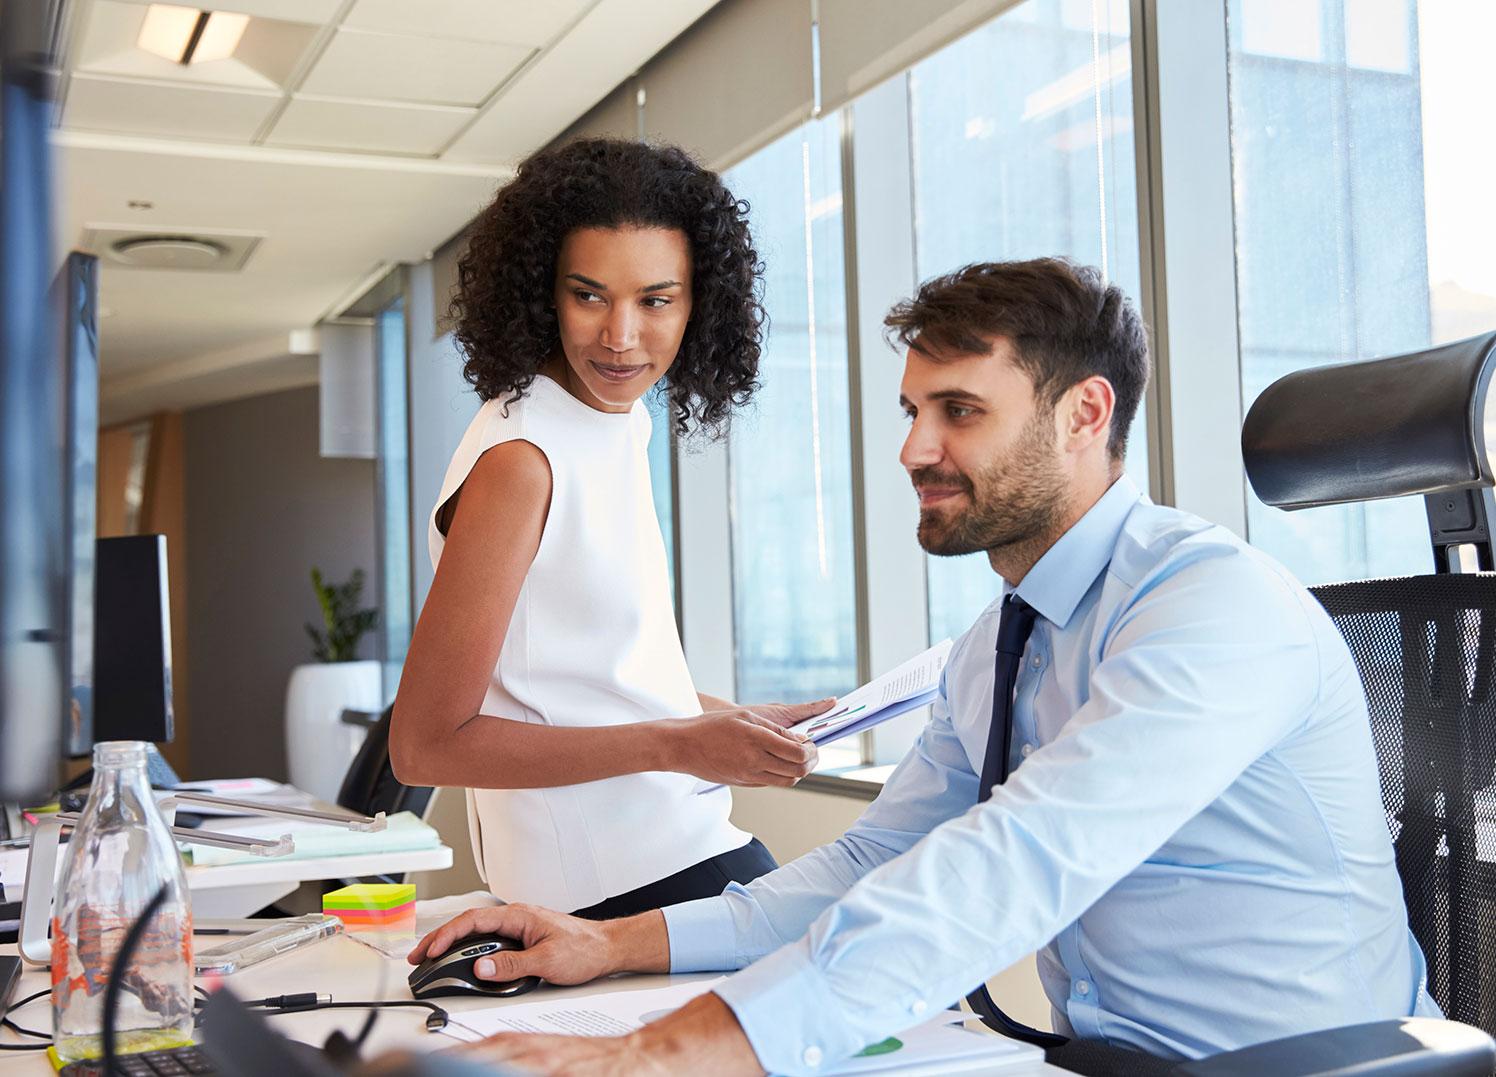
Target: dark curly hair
(506,324)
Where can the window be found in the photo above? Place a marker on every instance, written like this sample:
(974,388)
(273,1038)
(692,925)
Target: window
(1362,226)
(662,474)
(1022,147)
(393,493)
(789,453)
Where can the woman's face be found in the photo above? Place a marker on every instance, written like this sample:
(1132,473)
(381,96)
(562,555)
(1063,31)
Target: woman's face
(623,298)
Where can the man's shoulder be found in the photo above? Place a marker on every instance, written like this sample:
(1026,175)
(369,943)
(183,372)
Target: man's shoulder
(1159,540)
(1164,551)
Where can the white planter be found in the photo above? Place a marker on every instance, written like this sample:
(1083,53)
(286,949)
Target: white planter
(319,746)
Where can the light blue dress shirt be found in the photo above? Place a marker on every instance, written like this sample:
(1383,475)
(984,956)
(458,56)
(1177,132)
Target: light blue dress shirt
(1191,836)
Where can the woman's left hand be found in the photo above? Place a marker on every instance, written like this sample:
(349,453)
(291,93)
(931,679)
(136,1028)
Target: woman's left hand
(785,715)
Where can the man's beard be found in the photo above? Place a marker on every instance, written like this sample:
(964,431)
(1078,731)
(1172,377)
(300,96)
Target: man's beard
(1014,500)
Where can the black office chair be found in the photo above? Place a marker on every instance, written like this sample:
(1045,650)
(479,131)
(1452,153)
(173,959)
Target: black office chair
(370,784)
(1426,650)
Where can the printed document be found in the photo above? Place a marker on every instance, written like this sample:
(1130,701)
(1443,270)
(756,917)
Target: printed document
(941,1045)
(911,685)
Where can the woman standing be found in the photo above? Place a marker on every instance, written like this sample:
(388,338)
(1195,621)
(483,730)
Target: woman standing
(546,673)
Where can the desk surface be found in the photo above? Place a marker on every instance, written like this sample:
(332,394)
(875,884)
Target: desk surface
(349,971)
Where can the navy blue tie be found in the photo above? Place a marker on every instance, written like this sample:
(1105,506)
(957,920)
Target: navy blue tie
(1013,631)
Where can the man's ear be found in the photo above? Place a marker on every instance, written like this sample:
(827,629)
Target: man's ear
(1087,407)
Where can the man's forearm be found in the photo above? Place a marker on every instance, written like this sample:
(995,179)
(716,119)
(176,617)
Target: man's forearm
(639,943)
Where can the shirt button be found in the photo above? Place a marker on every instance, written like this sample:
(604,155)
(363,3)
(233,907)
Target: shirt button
(1037,661)
(918,1007)
(812,1056)
(1026,751)
(1082,988)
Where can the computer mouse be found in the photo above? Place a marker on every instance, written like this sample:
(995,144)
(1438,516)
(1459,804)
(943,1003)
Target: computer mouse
(451,973)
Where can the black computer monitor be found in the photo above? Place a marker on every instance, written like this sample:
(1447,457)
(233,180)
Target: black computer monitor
(132,640)
(33,562)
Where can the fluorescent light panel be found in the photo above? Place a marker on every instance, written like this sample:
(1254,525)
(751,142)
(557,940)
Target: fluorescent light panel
(220,37)
(168,31)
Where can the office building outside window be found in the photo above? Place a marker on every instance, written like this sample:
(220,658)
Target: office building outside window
(662,473)
(789,453)
(1023,147)
(1362,163)
(393,498)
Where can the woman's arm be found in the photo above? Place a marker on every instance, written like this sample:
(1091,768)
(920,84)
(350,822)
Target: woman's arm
(438,735)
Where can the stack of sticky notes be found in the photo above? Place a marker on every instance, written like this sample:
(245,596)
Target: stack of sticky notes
(371,904)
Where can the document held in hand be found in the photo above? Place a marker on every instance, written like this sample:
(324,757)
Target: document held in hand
(913,684)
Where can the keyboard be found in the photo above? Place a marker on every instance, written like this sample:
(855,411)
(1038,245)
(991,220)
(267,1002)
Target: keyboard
(173,1062)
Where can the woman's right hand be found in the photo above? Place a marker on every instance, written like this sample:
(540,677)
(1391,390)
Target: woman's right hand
(738,747)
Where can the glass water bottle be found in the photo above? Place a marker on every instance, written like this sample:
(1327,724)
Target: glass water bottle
(120,855)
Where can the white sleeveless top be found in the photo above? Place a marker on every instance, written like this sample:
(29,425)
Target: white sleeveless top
(592,642)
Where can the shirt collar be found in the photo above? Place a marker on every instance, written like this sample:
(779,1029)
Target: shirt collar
(1061,578)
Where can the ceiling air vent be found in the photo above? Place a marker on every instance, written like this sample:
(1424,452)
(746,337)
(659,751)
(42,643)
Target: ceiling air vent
(167,252)
(184,250)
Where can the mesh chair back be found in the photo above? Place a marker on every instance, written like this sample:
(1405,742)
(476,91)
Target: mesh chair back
(1426,650)
(370,784)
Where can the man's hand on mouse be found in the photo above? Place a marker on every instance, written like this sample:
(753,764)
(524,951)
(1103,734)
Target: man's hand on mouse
(560,949)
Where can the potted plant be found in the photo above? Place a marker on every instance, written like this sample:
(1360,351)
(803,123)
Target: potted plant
(319,746)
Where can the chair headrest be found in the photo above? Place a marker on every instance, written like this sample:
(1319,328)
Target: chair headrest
(1410,424)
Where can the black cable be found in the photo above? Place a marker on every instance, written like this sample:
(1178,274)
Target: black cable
(8,1023)
(437,1021)
(19,1031)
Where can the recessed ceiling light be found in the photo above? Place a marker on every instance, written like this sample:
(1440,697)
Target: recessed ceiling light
(187,35)
(220,37)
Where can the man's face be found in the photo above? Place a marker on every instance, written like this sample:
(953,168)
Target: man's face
(983,452)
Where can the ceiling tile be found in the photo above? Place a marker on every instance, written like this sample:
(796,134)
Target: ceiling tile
(265,58)
(356,125)
(318,11)
(603,50)
(107,47)
(139,108)
(428,70)
(522,22)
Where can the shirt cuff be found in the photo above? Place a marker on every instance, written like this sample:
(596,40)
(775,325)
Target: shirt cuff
(702,936)
(790,1014)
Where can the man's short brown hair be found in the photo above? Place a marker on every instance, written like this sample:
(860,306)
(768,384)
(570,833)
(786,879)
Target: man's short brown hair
(1066,324)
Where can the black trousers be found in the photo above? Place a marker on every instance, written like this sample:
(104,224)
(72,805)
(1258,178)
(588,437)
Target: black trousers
(706,879)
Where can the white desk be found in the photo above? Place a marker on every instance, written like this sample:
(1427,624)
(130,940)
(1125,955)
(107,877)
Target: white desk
(226,891)
(349,971)
(231,890)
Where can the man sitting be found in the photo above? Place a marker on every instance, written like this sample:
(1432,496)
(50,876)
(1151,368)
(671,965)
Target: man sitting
(1150,760)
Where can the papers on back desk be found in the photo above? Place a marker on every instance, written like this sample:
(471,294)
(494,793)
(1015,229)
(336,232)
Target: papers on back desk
(911,685)
(941,1045)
